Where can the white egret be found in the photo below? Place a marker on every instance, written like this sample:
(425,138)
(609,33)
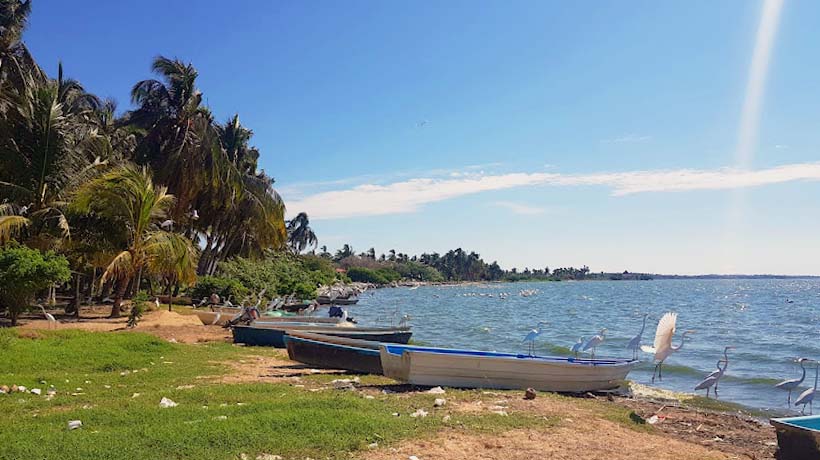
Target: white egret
(711,379)
(595,341)
(52,322)
(791,384)
(156,302)
(662,347)
(576,348)
(533,334)
(807,396)
(194,214)
(167,224)
(635,343)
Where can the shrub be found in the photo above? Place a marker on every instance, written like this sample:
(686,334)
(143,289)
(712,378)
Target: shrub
(379,276)
(24,272)
(224,287)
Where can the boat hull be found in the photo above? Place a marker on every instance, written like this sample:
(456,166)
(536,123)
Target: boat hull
(798,438)
(321,300)
(476,369)
(334,352)
(219,318)
(271,336)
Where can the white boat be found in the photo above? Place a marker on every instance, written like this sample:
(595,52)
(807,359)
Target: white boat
(484,369)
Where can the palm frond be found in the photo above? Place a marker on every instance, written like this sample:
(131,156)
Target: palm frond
(11,226)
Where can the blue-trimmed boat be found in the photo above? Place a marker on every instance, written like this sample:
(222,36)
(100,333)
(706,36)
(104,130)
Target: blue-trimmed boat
(325,351)
(484,369)
(273,335)
(798,438)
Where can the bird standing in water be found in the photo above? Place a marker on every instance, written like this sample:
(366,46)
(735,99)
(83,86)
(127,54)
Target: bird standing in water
(791,384)
(663,348)
(595,341)
(533,334)
(635,343)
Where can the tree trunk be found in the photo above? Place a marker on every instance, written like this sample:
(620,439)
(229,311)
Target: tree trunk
(136,287)
(76,302)
(14,313)
(90,291)
(116,309)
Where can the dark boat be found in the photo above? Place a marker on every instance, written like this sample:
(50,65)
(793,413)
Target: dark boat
(326,300)
(273,335)
(798,438)
(331,352)
(294,307)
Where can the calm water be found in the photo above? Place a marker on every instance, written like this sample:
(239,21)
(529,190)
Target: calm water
(751,315)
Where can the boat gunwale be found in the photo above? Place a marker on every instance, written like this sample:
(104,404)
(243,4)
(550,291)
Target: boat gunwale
(365,351)
(613,363)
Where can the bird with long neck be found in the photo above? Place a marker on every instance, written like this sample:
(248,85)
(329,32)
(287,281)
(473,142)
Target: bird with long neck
(663,348)
(712,379)
(719,372)
(791,384)
(807,397)
(533,334)
(635,343)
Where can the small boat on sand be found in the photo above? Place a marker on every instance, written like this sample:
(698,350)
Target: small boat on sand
(332,352)
(273,335)
(798,438)
(484,369)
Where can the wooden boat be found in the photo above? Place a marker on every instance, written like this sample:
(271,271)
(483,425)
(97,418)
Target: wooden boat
(332,352)
(274,335)
(221,315)
(798,438)
(326,300)
(485,369)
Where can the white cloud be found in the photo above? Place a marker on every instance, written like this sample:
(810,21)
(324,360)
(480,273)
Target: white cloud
(520,208)
(409,195)
(627,139)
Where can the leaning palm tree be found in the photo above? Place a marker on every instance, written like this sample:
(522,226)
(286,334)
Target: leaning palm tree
(300,235)
(128,195)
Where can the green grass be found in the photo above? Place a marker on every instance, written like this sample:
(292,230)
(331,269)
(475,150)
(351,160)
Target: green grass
(213,420)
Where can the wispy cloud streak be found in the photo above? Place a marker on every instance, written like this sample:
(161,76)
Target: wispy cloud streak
(410,195)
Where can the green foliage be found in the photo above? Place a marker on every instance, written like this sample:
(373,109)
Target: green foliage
(23,272)
(417,271)
(280,273)
(136,314)
(377,276)
(223,286)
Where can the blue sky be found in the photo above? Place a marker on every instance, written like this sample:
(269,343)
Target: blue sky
(535,133)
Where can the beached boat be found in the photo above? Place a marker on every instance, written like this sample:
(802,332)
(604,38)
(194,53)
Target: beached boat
(332,352)
(220,316)
(485,369)
(798,438)
(327,300)
(274,335)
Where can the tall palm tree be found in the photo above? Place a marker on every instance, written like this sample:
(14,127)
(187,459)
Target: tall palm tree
(300,235)
(46,150)
(128,195)
(16,63)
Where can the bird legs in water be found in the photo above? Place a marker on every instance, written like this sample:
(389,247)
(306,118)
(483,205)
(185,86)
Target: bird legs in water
(657,371)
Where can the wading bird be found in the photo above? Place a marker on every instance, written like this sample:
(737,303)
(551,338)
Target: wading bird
(52,322)
(719,372)
(807,396)
(577,347)
(156,302)
(791,384)
(635,343)
(663,348)
(711,380)
(595,341)
(533,334)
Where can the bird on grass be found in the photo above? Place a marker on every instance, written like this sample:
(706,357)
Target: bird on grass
(807,397)
(52,322)
(635,343)
(662,347)
(595,341)
(791,384)
(533,334)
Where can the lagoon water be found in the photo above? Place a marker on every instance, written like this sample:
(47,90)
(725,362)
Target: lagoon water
(754,316)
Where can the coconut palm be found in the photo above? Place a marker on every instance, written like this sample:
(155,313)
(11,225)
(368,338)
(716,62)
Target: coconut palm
(128,195)
(300,235)
(46,150)
(16,63)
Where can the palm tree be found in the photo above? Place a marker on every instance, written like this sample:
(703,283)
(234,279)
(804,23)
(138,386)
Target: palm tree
(128,195)
(16,63)
(46,150)
(300,235)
